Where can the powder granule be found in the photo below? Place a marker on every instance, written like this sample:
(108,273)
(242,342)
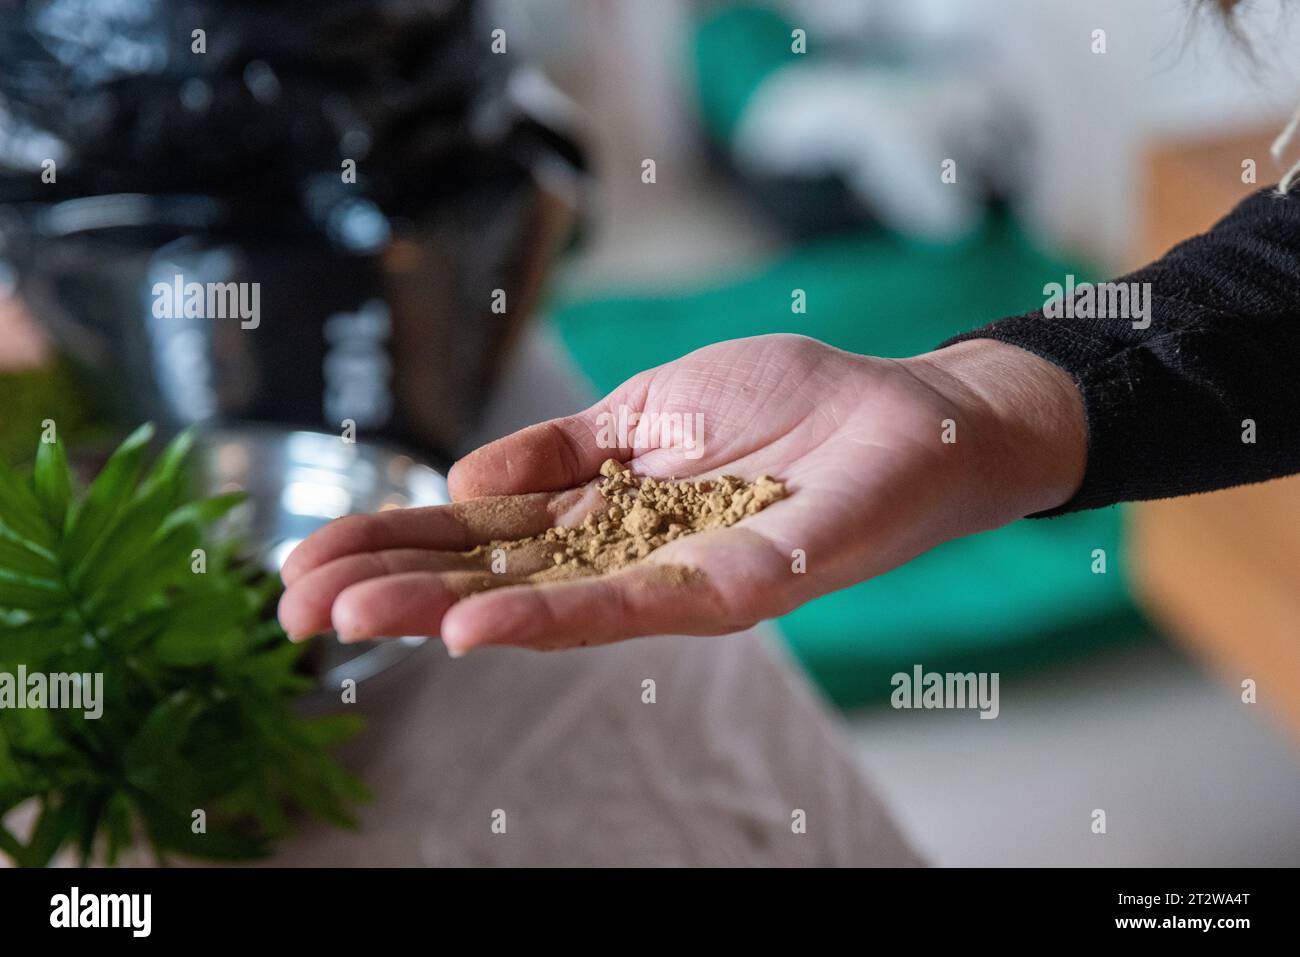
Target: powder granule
(640,515)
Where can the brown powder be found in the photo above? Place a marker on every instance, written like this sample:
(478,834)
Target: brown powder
(639,515)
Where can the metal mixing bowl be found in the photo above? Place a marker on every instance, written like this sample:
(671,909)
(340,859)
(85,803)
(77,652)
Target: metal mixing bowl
(298,481)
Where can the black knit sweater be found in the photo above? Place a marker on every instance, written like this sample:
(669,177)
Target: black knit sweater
(1170,407)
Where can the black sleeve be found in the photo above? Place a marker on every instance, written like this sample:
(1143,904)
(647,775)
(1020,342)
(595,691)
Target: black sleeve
(1167,405)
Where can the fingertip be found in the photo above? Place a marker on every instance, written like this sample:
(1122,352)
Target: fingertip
(492,469)
(487,618)
(456,634)
(286,613)
(296,617)
(460,484)
(289,568)
(349,614)
(410,603)
(309,553)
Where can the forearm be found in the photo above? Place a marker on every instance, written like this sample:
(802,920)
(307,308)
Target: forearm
(1201,392)
(1024,417)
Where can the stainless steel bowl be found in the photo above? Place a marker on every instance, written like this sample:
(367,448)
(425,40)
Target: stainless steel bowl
(298,481)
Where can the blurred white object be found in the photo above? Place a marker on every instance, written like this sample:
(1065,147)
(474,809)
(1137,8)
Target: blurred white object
(887,134)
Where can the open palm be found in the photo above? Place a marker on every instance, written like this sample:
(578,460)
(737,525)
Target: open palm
(882,459)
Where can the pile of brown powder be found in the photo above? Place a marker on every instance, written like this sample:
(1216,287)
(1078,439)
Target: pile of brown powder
(640,515)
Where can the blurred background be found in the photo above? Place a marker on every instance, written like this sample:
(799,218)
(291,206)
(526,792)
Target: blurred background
(820,171)
(800,145)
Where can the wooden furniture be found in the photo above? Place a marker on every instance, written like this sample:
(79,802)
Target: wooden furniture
(1221,572)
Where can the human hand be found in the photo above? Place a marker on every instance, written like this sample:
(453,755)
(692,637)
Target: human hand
(858,441)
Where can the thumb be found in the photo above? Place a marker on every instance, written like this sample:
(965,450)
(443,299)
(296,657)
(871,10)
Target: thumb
(547,457)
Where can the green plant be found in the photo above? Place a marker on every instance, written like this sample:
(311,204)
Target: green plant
(53,391)
(198,685)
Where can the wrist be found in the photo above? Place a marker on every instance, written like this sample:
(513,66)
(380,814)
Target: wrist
(1024,417)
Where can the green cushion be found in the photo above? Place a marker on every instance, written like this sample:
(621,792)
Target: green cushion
(733,50)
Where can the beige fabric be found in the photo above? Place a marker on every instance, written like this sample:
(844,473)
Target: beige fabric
(588,774)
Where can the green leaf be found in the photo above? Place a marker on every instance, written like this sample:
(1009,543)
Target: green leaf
(37,641)
(121,543)
(106,495)
(332,729)
(133,585)
(59,823)
(53,482)
(205,632)
(21,511)
(19,555)
(171,828)
(321,786)
(130,631)
(9,844)
(155,749)
(92,810)
(26,593)
(172,460)
(203,512)
(274,666)
(117,824)
(198,701)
